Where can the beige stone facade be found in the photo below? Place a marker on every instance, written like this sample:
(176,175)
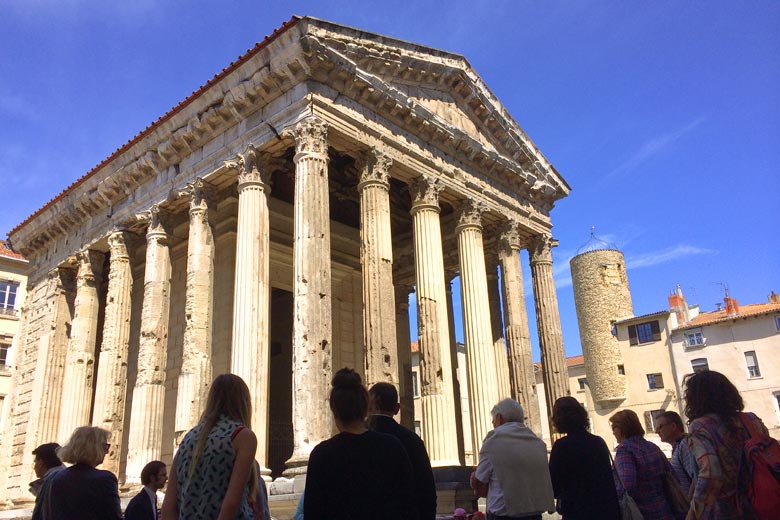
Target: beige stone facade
(13,289)
(273,225)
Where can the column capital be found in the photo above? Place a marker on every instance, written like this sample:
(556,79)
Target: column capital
(253,170)
(375,169)
(117,244)
(311,137)
(201,195)
(470,215)
(90,266)
(509,237)
(540,248)
(158,223)
(425,193)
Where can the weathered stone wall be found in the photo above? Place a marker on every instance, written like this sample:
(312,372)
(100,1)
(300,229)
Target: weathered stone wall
(601,296)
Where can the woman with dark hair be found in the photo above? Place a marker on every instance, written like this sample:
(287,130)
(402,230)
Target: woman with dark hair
(357,474)
(640,466)
(716,438)
(213,473)
(580,468)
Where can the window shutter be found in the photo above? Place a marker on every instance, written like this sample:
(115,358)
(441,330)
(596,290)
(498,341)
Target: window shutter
(656,330)
(632,335)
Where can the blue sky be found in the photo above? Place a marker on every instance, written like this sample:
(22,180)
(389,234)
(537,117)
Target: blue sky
(664,117)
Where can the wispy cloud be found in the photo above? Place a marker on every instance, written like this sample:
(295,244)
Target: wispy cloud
(653,147)
(666,255)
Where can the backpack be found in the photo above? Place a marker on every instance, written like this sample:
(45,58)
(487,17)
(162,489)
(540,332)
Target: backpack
(761,455)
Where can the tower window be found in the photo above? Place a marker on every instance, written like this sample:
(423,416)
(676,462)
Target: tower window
(621,370)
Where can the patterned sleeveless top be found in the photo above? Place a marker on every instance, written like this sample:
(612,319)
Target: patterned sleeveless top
(200,497)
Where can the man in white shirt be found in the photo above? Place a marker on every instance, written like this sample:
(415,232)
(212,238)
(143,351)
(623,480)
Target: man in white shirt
(513,473)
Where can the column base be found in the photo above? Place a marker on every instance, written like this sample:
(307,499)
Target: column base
(297,464)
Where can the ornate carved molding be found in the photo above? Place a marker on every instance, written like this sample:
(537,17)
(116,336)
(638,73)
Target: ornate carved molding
(425,193)
(375,169)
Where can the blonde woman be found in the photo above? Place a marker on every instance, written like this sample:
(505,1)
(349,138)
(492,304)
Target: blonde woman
(82,492)
(213,474)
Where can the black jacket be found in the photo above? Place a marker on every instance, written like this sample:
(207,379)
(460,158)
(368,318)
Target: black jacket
(140,507)
(424,485)
(581,475)
(82,492)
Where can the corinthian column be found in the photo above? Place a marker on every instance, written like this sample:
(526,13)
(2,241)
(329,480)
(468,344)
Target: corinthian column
(478,333)
(437,397)
(312,328)
(195,375)
(403,335)
(80,359)
(548,321)
(250,356)
(111,390)
(146,414)
(376,259)
(522,378)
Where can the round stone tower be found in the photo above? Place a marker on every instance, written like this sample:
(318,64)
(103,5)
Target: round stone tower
(601,296)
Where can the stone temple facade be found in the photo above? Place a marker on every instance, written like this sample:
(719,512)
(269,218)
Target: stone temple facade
(273,225)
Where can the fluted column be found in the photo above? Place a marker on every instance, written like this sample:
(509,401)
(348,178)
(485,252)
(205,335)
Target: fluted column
(403,335)
(478,333)
(146,415)
(460,379)
(195,374)
(548,321)
(496,322)
(312,329)
(111,389)
(251,299)
(518,337)
(376,259)
(80,359)
(437,396)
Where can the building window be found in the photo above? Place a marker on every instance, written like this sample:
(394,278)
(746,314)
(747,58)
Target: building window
(752,364)
(694,339)
(650,418)
(699,365)
(621,370)
(8,295)
(613,328)
(655,381)
(776,399)
(417,427)
(777,323)
(415,385)
(644,333)
(582,381)
(4,347)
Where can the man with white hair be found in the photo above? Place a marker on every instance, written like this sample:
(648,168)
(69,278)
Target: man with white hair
(513,473)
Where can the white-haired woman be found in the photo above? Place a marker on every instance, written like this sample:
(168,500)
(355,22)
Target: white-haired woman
(82,492)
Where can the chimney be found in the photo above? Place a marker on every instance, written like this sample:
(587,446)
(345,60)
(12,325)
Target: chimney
(679,306)
(732,307)
(774,297)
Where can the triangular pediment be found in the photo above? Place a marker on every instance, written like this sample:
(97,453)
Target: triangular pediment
(439,86)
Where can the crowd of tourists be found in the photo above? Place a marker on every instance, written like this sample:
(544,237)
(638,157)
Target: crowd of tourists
(375,468)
